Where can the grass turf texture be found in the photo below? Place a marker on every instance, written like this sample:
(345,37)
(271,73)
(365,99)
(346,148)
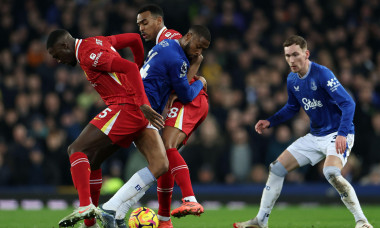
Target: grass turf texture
(284,217)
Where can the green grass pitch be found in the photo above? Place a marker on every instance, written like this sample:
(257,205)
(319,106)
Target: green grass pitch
(281,217)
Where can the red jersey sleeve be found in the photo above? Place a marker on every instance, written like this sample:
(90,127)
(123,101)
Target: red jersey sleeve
(131,40)
(133,76)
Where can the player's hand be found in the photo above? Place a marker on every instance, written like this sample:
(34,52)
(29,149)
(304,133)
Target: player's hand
(261,125)
(171,100)
(154,118)
(203,80)
(340,144)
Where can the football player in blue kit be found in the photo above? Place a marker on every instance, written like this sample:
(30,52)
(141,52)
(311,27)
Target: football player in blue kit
(331,111)
(166,68)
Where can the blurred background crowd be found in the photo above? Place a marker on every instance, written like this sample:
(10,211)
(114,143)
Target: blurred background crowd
(44,106)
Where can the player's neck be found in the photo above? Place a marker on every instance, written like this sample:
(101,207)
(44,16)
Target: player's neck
(304,71)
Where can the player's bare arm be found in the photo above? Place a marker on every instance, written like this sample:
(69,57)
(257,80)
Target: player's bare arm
(261,125)
(340,144)
(154,118)
(171,100)
(194,67)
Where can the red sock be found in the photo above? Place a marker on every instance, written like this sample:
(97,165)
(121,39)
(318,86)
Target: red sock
(180,172)
(165,185)
(95,186)
(80,172)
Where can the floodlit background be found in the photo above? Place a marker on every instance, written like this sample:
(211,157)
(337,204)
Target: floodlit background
(44,106)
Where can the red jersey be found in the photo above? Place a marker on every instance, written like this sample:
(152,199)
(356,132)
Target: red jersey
(95,56)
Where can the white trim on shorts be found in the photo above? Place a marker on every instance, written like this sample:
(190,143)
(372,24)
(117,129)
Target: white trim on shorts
(151,126)
(311,149)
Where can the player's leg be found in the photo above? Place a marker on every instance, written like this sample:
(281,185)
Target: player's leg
(173,138)
(150,145)
(332,171)
(285,163)
(180,122)
(96,159)
(89,141)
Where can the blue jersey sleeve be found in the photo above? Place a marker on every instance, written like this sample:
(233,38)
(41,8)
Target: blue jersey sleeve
(288,111)
(185,92)
(344,101)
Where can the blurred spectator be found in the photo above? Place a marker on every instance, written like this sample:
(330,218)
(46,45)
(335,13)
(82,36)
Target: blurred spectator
(45,106)
(373,178)
(240,155)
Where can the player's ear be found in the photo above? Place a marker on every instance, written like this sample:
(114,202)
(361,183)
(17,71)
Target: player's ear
(307,54)
(159,20)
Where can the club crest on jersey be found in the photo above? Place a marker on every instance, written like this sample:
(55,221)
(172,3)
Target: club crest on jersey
(183,69)
(313,86)
(99,42)
(164,43)
(296,88)
(333,84)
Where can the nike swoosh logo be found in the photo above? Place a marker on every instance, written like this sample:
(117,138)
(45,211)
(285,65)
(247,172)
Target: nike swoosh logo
(84,210)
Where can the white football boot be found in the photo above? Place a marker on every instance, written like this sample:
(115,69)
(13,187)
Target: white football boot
(363,224)
(253,223)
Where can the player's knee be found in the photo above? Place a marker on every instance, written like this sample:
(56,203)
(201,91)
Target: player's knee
(160,166)
(164,166)
(71,149)
(169,142)
(331,172)
(169,145)
(278,169)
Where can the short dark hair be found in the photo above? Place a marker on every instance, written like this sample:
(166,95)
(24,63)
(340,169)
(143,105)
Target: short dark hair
(294,39)
(154,10)
(55,36)
(201,31)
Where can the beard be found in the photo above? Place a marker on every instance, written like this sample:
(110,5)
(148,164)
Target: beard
(187,51)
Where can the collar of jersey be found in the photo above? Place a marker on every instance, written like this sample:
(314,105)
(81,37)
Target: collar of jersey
(77,44)
(308,72)
(159,34)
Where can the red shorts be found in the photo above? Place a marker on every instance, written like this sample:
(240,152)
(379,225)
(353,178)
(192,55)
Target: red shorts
(187,117)
(121,124)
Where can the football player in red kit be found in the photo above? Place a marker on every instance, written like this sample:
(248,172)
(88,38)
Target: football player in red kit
(181,121)
(127,118)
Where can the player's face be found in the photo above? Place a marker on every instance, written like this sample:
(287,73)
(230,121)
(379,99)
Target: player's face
(63,54)
(149,25)
(195,46)
(296,58)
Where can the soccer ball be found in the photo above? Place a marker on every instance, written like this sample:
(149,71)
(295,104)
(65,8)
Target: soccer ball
(143,217)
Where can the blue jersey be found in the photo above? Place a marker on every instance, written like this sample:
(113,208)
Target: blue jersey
(164,70)
(328,105)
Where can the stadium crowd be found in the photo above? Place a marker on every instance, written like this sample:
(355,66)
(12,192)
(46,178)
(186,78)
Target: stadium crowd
(44,106)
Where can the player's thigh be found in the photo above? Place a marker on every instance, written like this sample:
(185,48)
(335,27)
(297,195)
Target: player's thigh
(306,150)
(101,155)
(332,160)
(172,137)
(150,144)
(288,161)
(89,141)
(332,157)
(186,118)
